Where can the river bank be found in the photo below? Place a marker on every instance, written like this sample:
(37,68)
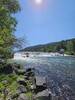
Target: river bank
(19,84)
(13,85)
(58,71)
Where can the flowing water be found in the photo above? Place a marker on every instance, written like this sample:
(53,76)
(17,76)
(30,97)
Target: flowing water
(60,72)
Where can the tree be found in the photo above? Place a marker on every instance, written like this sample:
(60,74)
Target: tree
(69,46)
(7,26)
(73,42)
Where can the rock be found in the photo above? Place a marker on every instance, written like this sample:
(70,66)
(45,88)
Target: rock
(40,84)
(7,69)
(23,97)
(39,89)
(21,81)
(44,95)
(21,89)
(33,80)
(29,74)
(40,81)
(45,85)
(30,69)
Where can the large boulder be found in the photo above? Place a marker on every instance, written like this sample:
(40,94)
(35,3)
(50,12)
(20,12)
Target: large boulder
(23,97)
(40,84)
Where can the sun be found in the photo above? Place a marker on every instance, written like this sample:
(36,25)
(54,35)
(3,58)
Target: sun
(38,2)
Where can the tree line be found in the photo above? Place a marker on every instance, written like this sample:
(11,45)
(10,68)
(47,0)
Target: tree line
(67,45)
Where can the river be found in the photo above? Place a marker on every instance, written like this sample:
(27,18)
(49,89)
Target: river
(60,72)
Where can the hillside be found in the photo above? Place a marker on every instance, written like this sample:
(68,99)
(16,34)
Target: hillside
(67,45)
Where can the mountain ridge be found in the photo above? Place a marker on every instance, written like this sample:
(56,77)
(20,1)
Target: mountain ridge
(68,45)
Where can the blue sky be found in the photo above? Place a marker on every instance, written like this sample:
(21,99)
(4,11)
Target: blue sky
(53,22)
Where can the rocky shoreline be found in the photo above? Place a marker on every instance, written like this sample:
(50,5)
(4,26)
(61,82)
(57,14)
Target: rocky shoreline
(28,86)
(23,84)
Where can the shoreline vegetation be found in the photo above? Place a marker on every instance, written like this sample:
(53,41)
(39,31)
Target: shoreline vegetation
(8,42)
(66,46)
(13,83)
(17,83)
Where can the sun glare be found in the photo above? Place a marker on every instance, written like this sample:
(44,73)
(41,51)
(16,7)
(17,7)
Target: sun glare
(38,2)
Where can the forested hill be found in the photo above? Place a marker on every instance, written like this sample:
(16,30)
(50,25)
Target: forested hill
(67,45)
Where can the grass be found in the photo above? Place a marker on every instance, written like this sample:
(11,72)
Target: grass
(29,95)
(12,84)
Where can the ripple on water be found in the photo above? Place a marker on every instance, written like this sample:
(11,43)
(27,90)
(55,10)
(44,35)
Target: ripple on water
(60,70)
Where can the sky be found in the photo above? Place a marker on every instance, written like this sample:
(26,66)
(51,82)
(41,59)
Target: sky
(51,21)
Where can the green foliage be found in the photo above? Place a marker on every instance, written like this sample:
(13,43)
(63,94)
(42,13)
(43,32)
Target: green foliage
(7,26)
(67,45)
(11,84)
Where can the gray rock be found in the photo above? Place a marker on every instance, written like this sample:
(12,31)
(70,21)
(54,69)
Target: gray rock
(46,94)
(21,89)
(23,97)
(40,81)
